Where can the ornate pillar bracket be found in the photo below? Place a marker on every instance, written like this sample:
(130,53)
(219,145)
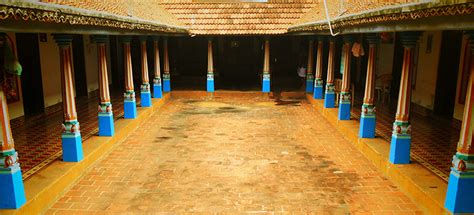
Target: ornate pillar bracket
(210,67)
(71,135)
(157,90)
(459,196)
(329,99)
(309,70)
(318,80)
(130,105)
(266,67)
(166,67)
(401,134)
(145,93)
(106,118)
(367,120)
(12,193)
(345,98)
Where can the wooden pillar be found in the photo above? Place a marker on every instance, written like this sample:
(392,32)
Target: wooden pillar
(266,68)
(157,90)
(367,119)
(345,98)
(401,134)
(106,116)
(145,93)
(459,196)
(166,68)
(210,67)
(318,82)
(130,104)
(329,95)
(309,70)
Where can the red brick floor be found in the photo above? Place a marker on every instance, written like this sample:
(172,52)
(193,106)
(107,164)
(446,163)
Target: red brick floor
(38,138)
(234,154)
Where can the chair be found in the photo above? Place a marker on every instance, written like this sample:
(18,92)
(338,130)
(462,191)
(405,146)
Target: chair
(383,86)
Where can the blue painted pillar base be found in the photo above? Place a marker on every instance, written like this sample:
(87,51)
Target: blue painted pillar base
(106,125)
(344,111)
(130,109)
(210,85)
(166,85)
(145,99)
(329,100)
(266,86)
(72,147)
(157,92)
(400,149)
(367,127)
(318,92)
(12,191)
(459,197)
(309,86)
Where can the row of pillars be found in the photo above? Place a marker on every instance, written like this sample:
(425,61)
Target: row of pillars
(12,194)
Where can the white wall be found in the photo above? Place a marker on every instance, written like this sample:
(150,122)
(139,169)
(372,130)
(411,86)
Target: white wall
(427,70)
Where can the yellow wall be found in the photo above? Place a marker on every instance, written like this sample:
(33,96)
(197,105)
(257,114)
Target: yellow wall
(16,109)
(459,108)
(384,59)
(50,73)
(427,70)
(91,61)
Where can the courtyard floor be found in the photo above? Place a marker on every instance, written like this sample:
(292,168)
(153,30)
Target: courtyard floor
(234,154)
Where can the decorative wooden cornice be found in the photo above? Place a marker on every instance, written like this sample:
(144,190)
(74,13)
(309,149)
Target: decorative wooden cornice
(393,14)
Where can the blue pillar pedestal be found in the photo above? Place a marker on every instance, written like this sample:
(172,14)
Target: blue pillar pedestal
(210,85)
(400,149)
(344,111)
(130,109)
(367,127)
(459,197)
(309,86)
(12,191)
(106,124)
(157,92)
(145,99)
(266,86)
(166,85)
(329,100)
(72,147)
(318,92)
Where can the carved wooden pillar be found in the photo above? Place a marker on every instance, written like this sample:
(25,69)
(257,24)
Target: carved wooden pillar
(266,68)
(145,93)
(345,98)
(309,70)
(130,104)
(318,82)
(210,67)
(329,95)
(166,68)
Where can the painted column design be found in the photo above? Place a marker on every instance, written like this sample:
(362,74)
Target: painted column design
(210,67)
(12,191)
(157,91)
(330,96)
(266,68)
(106,116)
(145,93)
(318,82)
(401,134)
(309,71)
(166,68)
(367,119)
(459,197)
(345,98)
(71,136)
(130,104)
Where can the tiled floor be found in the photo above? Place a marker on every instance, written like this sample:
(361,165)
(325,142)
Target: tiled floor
(234,154)
(38,138)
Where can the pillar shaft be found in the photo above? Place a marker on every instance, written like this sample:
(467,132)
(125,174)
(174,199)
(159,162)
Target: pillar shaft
(401,134)
(266,68)
(157,91)
(166,68)
(309,71)
(130,105)
(145,93)
(103,77)
(329,97)
(318,82)
(210,67)
(345,98)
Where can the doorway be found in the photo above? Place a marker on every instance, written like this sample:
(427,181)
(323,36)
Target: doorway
(80,80)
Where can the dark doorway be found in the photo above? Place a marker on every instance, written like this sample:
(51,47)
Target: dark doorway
(287,54)
(447,73)
(188,62)
(31,81)
(396,68)
(80,80)
(116,63)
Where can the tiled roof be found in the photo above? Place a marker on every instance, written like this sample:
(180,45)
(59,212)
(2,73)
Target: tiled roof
(243,18)
(142,9)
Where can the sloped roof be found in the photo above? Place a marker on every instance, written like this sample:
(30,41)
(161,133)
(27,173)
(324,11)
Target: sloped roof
(240,18)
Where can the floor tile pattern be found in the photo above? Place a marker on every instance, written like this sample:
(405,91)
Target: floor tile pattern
(234,154)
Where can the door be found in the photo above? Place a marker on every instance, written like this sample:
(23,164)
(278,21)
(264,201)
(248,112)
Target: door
(31,81)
